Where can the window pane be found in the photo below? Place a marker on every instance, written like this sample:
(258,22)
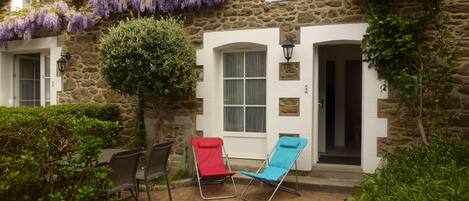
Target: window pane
(27,90)
(37,90)
(255,92)
(255,119)
(233,64)
(47,67)
(255,64)
(47,88)
(234,119)
(27,69)
(233,92)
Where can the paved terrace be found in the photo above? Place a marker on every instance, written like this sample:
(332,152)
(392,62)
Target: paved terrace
(257,193)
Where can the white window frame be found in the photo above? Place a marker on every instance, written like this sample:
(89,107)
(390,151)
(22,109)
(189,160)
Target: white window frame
(221,94)
(20,4)
(16,79)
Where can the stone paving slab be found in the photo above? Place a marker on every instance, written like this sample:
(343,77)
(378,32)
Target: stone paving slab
(191,193)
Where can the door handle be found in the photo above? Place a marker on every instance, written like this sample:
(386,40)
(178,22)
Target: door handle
(321,103)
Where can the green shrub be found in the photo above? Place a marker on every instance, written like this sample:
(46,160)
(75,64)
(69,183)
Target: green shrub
(146,57)
(439,172)
(50,153)
(101,112)
(150,56)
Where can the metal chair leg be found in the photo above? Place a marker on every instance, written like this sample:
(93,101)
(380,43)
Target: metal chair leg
(135,196)
(296,174)
(169,188)
(272,196)
(137,187)
(246,190)
(147,188)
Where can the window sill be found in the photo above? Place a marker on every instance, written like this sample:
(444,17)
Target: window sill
(245,135)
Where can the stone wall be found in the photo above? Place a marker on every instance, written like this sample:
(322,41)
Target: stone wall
(84,84)
(402,131)
(289,16)
(4,8)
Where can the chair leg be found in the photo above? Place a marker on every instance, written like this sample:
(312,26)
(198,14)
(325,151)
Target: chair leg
(200,188)
(169,188)
(135,196)
(147,188)
(246,190)
(234,185)
(276,189)
(137,187)
(296,174)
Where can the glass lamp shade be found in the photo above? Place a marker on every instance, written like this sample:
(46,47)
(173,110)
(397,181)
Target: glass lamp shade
(62,62)
(288,46)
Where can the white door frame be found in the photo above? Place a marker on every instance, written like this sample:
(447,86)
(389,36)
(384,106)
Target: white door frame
(317,77)
(372,126)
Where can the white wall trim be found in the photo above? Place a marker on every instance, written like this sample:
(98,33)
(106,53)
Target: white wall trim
(215,43)
(306,89)
(39,45)
(372,126)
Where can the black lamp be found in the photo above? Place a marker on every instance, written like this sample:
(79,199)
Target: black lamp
(62,62)
(288,46)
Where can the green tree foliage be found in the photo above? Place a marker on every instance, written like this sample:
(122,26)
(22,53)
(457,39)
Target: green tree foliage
(438,172)
(148,57)
(50,153)
(415,54)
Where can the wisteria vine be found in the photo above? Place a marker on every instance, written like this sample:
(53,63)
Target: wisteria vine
(54,16)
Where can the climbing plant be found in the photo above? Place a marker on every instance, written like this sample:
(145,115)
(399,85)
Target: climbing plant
(414,54)
(83,14)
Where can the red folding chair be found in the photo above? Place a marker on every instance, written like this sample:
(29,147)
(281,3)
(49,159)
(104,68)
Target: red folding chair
(209,164)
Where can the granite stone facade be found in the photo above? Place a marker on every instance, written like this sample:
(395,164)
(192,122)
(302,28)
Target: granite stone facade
(4,8)
(289,106)
(289,71)
(83,83)
(402,131)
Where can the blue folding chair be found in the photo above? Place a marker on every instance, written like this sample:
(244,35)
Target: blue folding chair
(285,154)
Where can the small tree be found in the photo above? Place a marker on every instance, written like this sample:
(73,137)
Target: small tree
(148,57)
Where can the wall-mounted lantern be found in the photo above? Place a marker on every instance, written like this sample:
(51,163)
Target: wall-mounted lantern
(62,62)
(288,46)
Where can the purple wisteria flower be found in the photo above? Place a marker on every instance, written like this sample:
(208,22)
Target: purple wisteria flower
(50,17)
(103,8)
(61,6)
(78,21)
(51,21)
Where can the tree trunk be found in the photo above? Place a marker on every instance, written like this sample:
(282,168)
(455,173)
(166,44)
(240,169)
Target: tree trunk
(141,115)
(161,104)
(422,131)
(420,95)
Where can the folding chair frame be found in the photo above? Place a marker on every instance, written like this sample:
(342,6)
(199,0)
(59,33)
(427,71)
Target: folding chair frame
(277,185)
(200,183)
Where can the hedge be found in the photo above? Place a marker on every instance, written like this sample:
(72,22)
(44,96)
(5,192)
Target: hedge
(101,112)
(438,172)
(50,153)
